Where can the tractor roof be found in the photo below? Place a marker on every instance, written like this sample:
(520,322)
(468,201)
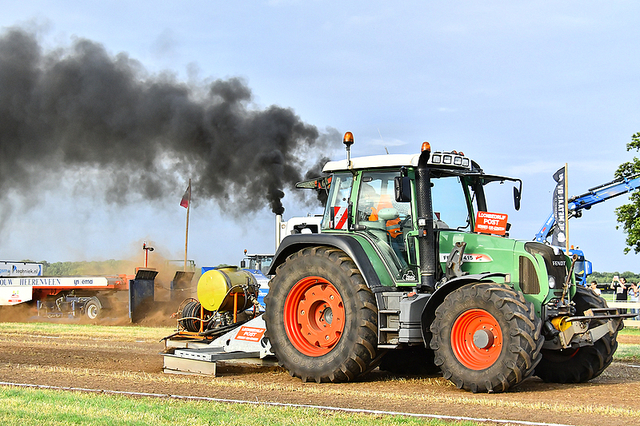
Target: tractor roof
(442,163)
(438,159)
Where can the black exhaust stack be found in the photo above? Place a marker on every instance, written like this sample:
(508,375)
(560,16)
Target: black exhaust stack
(426,236)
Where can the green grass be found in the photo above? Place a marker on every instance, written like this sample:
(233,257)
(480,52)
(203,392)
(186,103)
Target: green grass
(37,407)
(627,353)
(107,332)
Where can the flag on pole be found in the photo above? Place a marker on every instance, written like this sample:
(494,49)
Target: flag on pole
(186,198)
(559,236)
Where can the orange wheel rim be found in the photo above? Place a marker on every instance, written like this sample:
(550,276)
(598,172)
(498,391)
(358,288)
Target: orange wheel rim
(476,339)
(314,316)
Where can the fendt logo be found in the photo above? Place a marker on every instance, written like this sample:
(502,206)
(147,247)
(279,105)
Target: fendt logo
(558,263)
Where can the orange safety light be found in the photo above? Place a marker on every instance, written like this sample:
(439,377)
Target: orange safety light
(348,139)
(426,146)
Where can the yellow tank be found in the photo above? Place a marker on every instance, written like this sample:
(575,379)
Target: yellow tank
(216,288)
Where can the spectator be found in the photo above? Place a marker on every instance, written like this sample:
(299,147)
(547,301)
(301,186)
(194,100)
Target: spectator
(594,288)
(620,288)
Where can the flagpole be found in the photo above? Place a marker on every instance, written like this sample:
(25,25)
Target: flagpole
(186,236)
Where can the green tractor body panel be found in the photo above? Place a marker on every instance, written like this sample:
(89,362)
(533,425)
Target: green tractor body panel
(525,271)
(483,253)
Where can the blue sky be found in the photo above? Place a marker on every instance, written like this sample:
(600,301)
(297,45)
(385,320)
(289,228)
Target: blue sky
(520,87)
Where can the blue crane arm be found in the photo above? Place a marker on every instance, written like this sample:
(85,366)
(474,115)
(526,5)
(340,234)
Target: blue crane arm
(593,196)
(542,234)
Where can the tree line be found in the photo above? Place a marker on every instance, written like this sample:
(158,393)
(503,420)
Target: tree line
(607,277)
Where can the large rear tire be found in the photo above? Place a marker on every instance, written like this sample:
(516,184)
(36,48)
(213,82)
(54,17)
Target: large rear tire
(577,365)
(321,317)
(486,337)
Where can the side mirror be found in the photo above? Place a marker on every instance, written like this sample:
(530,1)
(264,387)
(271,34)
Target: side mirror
(402,186)
(588,267)
(517,196)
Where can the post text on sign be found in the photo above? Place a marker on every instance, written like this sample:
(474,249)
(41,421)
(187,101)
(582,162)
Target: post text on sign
(491,223)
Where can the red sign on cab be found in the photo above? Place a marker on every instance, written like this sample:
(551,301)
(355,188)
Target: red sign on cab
(491,223)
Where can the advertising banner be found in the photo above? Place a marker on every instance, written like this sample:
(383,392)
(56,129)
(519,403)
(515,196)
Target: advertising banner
(559,236)
(20,269)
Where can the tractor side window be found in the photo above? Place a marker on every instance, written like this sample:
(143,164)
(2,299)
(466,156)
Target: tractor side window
(335,213)
(383,217)
(450,209)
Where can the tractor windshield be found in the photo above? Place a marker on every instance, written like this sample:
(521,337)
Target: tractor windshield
(458,197)
(450,207)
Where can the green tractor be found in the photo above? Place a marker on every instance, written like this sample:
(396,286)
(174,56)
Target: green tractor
(412,273)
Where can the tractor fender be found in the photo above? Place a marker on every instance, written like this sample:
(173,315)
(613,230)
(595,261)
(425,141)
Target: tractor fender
(346,243)
(428,312)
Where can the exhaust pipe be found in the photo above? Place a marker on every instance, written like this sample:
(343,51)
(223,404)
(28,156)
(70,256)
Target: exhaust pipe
(426,234)
(278,229)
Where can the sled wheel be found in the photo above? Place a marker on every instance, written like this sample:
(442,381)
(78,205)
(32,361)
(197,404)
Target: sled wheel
(486,337)
(92,309)
(321,317)
(314,316)
(577,365)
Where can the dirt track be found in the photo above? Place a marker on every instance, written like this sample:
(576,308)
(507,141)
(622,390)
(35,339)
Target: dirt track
(126,364)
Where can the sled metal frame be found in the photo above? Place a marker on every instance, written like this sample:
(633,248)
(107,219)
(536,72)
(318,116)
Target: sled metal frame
(190,355)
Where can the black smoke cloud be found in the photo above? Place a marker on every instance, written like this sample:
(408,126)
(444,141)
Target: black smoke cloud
(80,108)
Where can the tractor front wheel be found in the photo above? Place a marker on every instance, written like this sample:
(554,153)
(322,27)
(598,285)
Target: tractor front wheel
(486,337)
(321,317)
(577,365)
